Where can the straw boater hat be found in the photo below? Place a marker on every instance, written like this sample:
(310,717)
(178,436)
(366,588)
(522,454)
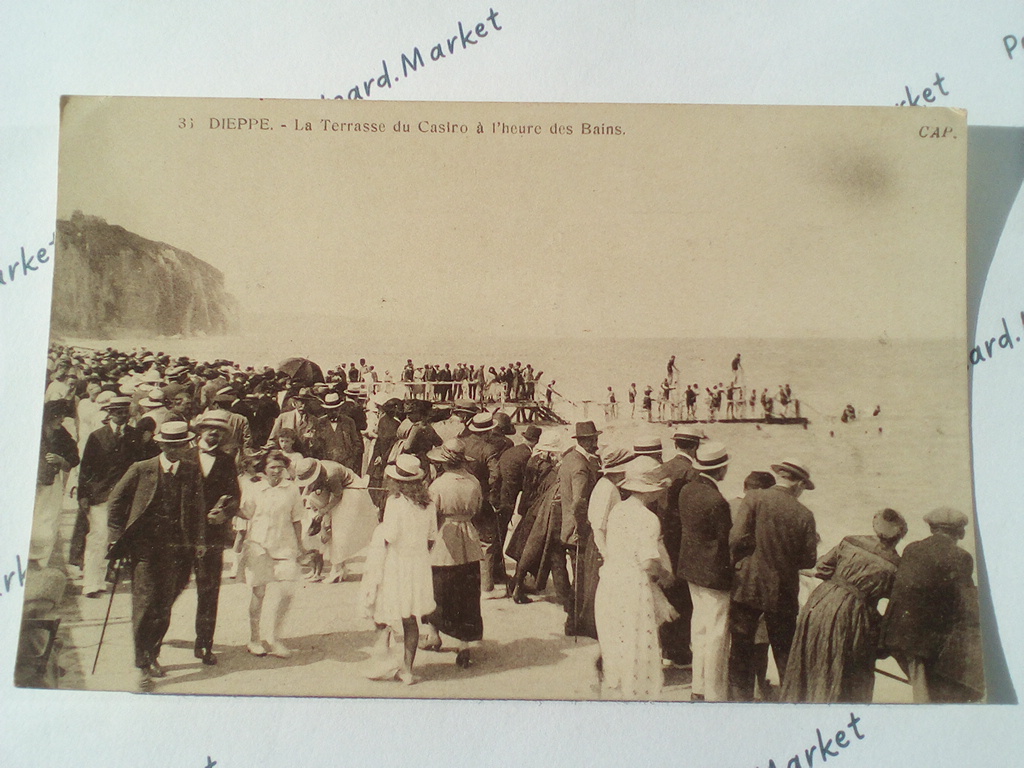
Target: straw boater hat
(797,469)
(174,433)
(358,390)
(406,469)
(451,451)
(226,394)
(686,432)
(647,445)
(307,470)
(331,401)
(155,399)
(214,419)
(711,456)
(585,429)
(482,422)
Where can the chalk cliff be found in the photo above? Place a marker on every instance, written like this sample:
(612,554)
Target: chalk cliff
(108,281)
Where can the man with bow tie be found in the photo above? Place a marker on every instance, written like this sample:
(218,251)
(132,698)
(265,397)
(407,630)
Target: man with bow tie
(154,513)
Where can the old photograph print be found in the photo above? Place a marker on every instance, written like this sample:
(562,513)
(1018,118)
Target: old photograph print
(486,401)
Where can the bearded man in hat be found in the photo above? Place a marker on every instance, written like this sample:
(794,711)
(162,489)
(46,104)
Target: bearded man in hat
(773,538)
(108,453)
(931,625)
(577,475)
(221,497)
(153,514)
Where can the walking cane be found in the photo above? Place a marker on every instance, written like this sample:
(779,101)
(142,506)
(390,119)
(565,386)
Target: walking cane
(113,589)
(892,676)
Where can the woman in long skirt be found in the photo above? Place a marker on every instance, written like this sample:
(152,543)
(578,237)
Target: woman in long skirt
(629,605)
(455,559)
(406,587)
(834,648)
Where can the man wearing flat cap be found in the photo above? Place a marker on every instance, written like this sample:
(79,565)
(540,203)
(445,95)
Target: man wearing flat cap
(931,624)
(577,475)
(773,538)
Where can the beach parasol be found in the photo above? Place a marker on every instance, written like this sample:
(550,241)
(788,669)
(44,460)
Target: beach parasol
(301,370)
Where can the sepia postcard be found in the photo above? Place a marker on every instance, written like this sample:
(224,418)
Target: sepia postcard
(506,401)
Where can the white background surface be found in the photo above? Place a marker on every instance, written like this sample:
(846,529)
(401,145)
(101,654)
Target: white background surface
(808,52)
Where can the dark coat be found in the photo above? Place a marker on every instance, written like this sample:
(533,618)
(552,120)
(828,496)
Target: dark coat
(131,498)
(222,481)
(340,441)
(577,476)
(511,466)
(704,543)
(105,459)
(61,443)
(774,537)
(926,602)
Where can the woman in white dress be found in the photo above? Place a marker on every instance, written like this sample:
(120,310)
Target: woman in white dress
(630,605)
(405,590)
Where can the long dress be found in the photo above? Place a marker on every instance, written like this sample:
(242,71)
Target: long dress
(456,556)
(625,605)
(406,587)
(834,649)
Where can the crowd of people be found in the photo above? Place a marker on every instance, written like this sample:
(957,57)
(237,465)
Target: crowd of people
(187,468)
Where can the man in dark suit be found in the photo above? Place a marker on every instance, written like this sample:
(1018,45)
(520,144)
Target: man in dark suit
(932,609)
(338,437)
(704,566)
(483,448)
(773,538)
(675,634)
(153,517)
(221,496)
(577,474)
(509,484)
(109,452)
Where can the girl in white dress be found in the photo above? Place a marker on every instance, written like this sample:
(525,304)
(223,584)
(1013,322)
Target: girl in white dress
(405,590)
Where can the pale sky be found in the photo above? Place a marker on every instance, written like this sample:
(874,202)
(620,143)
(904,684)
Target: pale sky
(697,221)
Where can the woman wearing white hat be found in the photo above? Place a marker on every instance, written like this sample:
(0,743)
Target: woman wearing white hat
(627,608)
(406,587)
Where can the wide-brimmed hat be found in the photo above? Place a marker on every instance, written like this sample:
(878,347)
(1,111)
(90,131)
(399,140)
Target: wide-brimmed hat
(797,469)
(946,517)
(638,477)
(889,524)
(215,419)
(504,423)
(550,442)
(646,445)
(114,402)
(482,422)
(307,470)
(686,432)
(711,456)
(585,429)
(451,451)
(615,459)
(406,468)
(174,433)
(331,401)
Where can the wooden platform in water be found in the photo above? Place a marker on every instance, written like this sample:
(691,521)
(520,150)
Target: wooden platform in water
(798,421)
